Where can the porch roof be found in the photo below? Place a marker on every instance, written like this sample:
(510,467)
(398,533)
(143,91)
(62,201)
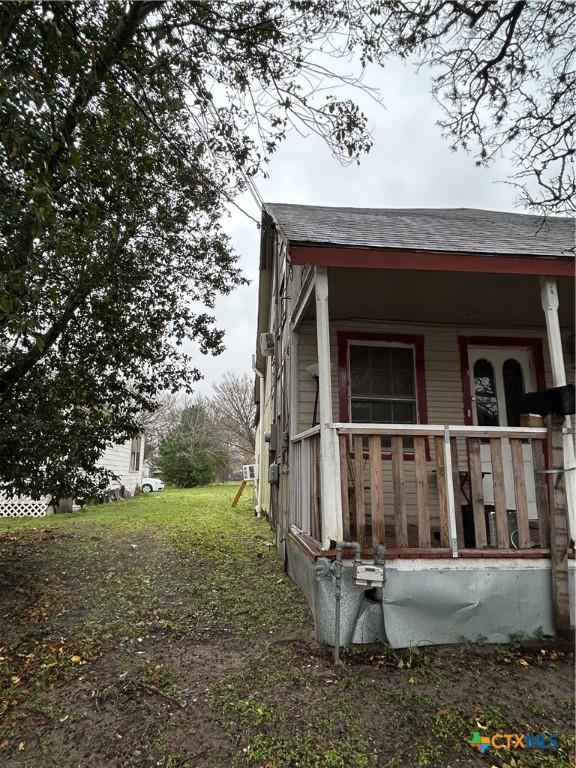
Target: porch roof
(448,230)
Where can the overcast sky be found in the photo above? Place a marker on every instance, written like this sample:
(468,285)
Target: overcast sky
(410,166)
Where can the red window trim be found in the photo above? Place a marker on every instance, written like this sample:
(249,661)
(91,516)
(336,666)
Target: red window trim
(534,344)
(414,340)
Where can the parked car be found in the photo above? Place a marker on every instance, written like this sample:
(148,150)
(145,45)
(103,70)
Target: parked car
(150,484)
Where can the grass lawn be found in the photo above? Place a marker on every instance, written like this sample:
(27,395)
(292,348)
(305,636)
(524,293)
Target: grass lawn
(162,631)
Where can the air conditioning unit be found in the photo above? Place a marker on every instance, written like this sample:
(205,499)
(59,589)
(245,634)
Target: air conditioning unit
(267,344)
(249,472)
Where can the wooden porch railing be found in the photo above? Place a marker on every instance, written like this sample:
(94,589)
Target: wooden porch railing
(304,489)
(423,486)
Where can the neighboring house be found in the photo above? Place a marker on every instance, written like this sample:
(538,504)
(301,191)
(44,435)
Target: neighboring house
(394,351)
(126,460)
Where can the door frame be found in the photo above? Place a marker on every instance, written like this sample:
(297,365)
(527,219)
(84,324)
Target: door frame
(533,344)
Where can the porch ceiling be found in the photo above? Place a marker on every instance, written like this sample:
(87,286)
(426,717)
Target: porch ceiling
(506,301)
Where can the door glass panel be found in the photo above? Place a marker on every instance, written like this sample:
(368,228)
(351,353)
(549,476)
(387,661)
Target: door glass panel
(513,390)
(485,392)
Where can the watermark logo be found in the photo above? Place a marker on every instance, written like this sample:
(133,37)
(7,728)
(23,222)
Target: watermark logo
(481,743)
(510,741)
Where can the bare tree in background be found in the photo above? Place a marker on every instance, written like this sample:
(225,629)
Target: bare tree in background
(234,412)
(156,424)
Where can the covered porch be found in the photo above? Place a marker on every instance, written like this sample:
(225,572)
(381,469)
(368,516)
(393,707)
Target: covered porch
(464,475)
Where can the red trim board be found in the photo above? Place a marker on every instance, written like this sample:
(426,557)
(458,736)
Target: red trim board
(435,261)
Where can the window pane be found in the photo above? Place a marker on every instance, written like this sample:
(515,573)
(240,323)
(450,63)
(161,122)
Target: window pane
(402,382)
(381,371)
(380,357)
(359,357)
(382,412)
(404,412)
(485,391)
(380,382)
(361,412)
(513,389)
(360,381)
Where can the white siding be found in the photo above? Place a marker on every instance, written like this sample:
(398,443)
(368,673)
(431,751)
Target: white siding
(116,458)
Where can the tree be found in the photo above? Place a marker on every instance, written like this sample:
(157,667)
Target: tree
(127,127)
(157,423)
(504,73)
(234,412)
(191,453)
(125,130)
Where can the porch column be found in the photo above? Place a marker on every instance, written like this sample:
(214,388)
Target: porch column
(549,296)
(330,500)
(294,413)
(294,401)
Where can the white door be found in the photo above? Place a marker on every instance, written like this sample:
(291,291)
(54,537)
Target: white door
(499,376)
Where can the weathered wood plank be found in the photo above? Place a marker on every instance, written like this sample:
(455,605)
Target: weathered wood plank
(457,492)
(344,481)
(559,535)
(477,492)
(502,536)
(398,483)
(520,494)
(376,489)
(315,487)
(239,493)
(542,503)
(442,497)
(422,492)
(359,489)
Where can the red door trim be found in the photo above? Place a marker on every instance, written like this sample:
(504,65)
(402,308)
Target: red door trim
(535,345)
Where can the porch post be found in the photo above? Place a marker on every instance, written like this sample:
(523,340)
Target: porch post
(330,500)
(294,450)
(294,398)
(549,297)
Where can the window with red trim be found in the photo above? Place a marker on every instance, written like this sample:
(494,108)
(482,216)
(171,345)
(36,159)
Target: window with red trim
(382,380)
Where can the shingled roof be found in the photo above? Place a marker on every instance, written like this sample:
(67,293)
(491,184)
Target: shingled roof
(458,230)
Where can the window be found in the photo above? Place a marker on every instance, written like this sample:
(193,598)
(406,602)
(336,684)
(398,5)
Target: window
(382,380)
(135,449)
(485,392)
(513,390)
(382,384)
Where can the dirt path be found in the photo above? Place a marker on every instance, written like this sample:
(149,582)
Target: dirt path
(163,632)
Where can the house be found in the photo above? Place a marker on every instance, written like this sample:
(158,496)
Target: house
(125,460)
(395,355)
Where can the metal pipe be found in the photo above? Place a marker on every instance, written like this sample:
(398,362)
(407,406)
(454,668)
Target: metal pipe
(337,569)
(380,561)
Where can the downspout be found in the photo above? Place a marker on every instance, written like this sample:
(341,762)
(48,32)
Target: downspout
(261,387)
